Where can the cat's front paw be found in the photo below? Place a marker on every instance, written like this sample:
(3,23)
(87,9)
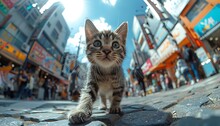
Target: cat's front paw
(115,110)
(78,116)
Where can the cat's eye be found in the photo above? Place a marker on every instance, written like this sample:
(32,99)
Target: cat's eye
(115,45)
(97,43)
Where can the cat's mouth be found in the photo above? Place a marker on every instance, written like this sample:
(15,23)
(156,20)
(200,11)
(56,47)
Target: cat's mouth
(106,58)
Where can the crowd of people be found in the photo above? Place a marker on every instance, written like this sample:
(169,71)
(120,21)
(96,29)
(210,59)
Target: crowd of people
(23,84)
(188,71)
(30,85)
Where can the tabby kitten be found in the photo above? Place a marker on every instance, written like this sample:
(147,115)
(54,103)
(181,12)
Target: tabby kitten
(105,51)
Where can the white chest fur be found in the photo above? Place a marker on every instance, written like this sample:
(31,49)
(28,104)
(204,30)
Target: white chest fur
(105,89)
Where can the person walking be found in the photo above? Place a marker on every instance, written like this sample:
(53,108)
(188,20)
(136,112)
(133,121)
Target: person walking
(30,86)
(72,85)
(46,88)
(184,69)
(162,81)
(139,76)
(168,82)
(216,60)
(191,57)
(23,80)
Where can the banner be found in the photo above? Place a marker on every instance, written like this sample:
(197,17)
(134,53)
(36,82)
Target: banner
(209,21)
(40,56)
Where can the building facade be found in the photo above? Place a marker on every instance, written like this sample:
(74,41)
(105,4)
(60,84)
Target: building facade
(172,24)
(19,22)
(49,40)
(33,40)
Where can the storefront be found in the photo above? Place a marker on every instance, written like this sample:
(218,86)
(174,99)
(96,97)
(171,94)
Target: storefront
(209,30)
(38,56)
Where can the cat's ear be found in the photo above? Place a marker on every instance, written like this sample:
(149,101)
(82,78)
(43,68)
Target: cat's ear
(122,31)
(90,29)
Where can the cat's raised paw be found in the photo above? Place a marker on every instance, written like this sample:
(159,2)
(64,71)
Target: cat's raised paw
(115,110)
(78,116)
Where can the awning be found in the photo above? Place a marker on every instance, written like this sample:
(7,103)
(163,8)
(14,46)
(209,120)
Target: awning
(62,79)
(65,82)
(164,62)
(46,70)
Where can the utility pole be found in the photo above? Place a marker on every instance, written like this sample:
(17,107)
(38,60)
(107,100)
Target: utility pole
(78,49)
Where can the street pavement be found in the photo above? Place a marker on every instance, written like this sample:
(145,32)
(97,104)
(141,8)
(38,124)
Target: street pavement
(194,105)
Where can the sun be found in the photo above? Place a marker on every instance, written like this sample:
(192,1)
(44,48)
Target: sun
(73,9)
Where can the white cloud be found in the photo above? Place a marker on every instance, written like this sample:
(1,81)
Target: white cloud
(101,24)
(109,2)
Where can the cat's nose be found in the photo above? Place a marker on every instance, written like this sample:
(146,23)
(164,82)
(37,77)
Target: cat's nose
(106,51)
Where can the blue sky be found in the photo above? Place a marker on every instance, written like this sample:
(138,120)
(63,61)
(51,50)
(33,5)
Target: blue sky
(106,14)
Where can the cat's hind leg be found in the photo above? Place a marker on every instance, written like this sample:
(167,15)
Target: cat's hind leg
(103,105)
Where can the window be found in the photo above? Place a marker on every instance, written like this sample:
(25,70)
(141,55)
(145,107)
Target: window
(21,36)
(34,16)
(55,14)
(48,24)
(28,5)
(196,9)
(55,34)
(59,26)
(30,20)
(23,12)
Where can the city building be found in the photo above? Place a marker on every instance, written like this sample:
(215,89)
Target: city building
(201,23)
(141,41)
(159,46)
(18,23)
(49,40)
(33,40)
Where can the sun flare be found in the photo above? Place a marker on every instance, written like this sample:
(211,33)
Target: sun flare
(73,9)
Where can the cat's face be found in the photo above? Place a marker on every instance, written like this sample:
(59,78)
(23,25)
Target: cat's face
(105,48)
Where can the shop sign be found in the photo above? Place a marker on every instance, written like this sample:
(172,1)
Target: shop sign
(160,34)
(178,33)
(9,3)
(69,63)
(147,65)
(40,56)
(209,21)
(175,7)
(167,47)
(9,50)
(155,58)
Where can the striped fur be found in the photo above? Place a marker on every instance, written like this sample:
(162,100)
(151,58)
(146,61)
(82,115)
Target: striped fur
(105,51)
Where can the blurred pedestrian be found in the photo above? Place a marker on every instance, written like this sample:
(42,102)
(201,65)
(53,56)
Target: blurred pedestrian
(216,59)
(191,57)
(139,76)
(184,70)
(168,81)
(53,90)
(30,86)
(74,75)
(46,88)
(162,81)
(23,81)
